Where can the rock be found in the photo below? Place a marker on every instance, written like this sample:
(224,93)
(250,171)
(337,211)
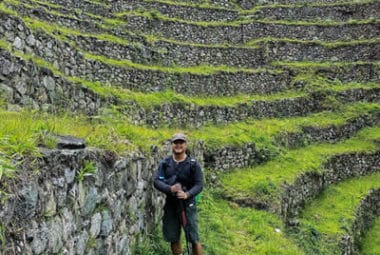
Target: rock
(18,43)
(21,87)
(81,243)
(55,234)
(106,227)
(6,92)
(69,142)
(91,201)
(49,83)
(29,199)
(69,175)
(30,40)
(96,221)
(6,67)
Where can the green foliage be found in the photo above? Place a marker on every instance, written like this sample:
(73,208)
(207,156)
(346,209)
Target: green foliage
(88,169)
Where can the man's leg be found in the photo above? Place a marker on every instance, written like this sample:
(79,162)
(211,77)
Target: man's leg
(176,248)
(197,248)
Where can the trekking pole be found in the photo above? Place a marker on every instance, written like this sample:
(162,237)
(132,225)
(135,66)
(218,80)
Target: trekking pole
(184,224)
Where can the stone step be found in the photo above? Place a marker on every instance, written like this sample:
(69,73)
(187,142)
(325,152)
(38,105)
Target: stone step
(267,186)
(323,12)
(340,215)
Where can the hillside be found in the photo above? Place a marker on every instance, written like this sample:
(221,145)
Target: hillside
(280,101)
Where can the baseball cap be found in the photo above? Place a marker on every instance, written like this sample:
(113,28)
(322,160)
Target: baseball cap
(178,136)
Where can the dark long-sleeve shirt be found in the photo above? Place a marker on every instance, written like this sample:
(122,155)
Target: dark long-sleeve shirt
(188,173)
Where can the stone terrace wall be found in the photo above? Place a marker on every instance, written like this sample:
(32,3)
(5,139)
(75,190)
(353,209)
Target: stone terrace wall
(53,211)
(191,115)
(177,11)
(368,211)
(309,184)
(24,84)
(342,12)
(71,62)
(241,34)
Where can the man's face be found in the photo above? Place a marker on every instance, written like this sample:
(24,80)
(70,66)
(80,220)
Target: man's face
(179,147)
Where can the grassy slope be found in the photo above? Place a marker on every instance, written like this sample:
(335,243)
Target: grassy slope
(329,216)
(227,229)
(371,241)
(263,182)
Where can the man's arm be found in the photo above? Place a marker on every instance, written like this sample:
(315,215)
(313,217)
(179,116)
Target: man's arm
(159,180)
(198,182)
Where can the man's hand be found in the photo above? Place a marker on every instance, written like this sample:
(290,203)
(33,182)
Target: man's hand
(182,195)
(176,188)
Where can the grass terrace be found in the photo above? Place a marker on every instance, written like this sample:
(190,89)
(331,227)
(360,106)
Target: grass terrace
(328,217)
(371,241)
(264,181)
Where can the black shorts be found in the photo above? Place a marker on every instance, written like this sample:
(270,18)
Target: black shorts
(171,223)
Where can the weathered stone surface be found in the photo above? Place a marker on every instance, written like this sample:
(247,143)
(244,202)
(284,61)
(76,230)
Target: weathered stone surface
(339,12)
(90,213)
(69,142)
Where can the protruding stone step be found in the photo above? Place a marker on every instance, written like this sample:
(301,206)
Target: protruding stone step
(69,142)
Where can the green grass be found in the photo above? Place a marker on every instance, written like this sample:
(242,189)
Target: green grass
(227,229)
(263,182)
(331,215)
(371,241)
(199,69)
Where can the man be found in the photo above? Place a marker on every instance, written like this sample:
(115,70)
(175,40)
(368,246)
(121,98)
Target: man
(180,178)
